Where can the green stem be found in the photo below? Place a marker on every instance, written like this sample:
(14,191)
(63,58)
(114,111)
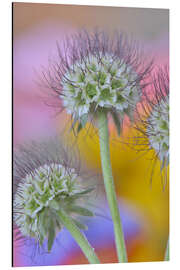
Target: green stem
(109,185)
(166,258)
(79,237)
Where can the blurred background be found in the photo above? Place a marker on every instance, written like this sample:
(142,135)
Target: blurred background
(144,206)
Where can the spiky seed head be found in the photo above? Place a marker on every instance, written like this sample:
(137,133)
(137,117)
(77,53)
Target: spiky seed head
(100,81)
(158,129)
(98,72)
(42,192)
(153,117)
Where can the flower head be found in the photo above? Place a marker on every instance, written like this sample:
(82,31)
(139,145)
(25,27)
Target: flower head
(98,72)
(102,81)
(158,129)
(155,117)
(45,182)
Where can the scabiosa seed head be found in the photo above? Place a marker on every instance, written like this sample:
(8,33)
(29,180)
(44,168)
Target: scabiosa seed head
(48,184)
(154,118)
(96,72)
(100,81)
(158,129)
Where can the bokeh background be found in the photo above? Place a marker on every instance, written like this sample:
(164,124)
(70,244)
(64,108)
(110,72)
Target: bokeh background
(144,206)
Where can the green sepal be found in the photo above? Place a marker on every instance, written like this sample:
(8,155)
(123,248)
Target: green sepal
(82,122)
(58,222)
(43,220)
(84,119)
(41,239)
(80,225)
(164,163)
(116,122)
(56,219)
(79,127)
(80,210)
(75,120)
(51,236)
(82,192)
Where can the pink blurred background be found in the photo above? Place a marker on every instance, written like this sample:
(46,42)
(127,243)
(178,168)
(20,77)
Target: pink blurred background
(144,210)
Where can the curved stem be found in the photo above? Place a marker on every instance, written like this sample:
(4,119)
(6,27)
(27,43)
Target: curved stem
(166,258)
(109,185)
(79,237)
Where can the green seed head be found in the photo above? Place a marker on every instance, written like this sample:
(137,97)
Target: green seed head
(95,71)
(152,122)
(158,130)
(102,81)
(42,193)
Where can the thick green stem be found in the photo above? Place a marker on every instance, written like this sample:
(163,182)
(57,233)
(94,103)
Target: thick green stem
(79,237)
(166,258)
(109,185)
